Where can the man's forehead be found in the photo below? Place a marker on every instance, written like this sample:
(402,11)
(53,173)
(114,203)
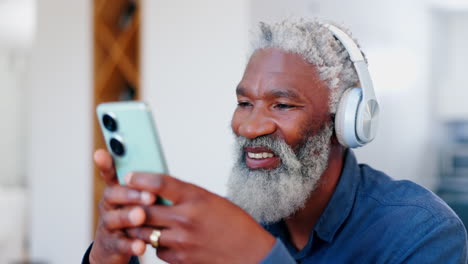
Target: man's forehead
(279,73)
(278,82)
(282,92)
(275,60)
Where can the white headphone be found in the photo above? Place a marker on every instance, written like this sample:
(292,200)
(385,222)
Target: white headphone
(358,110)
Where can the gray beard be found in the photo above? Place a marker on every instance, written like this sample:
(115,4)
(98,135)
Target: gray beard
(272,195)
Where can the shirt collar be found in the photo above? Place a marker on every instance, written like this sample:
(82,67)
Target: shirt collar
(338,208)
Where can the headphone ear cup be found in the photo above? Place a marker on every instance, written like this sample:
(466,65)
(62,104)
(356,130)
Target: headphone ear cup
(345,118)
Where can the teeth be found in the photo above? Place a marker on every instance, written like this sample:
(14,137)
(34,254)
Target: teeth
(262,155)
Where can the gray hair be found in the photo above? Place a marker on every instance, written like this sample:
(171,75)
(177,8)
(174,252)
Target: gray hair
(317,45)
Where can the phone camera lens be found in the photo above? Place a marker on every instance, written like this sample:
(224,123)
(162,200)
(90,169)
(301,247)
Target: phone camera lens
(109,123)
(117,147)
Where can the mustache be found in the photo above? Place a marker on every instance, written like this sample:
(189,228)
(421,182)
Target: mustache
(275,144)
(289,158)
(261,141)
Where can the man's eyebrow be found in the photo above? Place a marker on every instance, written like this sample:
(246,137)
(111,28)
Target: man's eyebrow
(240,91)
(276,93)
(284,94)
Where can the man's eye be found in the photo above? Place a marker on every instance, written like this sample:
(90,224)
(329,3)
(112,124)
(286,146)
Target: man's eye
(243,104)
(284,106)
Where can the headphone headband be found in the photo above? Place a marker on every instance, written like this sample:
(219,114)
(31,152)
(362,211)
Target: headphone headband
(367,108)
(354,51)
(357,58)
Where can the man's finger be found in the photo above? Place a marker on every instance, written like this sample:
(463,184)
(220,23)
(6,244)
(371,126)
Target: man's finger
(105,165)
(141,233)
(122,195)
(168,255)
(168,237)
(163,185)
(163,216)
(123,218)
(133,247)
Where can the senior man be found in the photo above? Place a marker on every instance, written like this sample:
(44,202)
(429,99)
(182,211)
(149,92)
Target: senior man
(296,192)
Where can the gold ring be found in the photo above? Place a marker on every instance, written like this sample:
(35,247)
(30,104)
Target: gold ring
(154,238)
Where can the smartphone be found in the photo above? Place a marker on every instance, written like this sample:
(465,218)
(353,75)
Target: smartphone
(132,139)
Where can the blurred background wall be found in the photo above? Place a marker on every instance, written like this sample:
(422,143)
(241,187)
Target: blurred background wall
(16,39)
(58,131)
(193,55)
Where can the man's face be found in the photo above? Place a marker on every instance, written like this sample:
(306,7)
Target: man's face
(281,95)
(283,130)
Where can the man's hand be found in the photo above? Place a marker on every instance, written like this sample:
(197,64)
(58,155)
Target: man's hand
(200,227)
(118,210)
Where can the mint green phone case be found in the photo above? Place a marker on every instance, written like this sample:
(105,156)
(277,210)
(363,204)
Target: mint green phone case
(137,132)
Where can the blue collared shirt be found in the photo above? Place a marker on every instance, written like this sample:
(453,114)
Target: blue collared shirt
(372,218)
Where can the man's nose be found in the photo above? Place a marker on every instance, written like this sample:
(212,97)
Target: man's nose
(257,124)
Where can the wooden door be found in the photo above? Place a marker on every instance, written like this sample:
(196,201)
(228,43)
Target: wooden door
(116,64)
